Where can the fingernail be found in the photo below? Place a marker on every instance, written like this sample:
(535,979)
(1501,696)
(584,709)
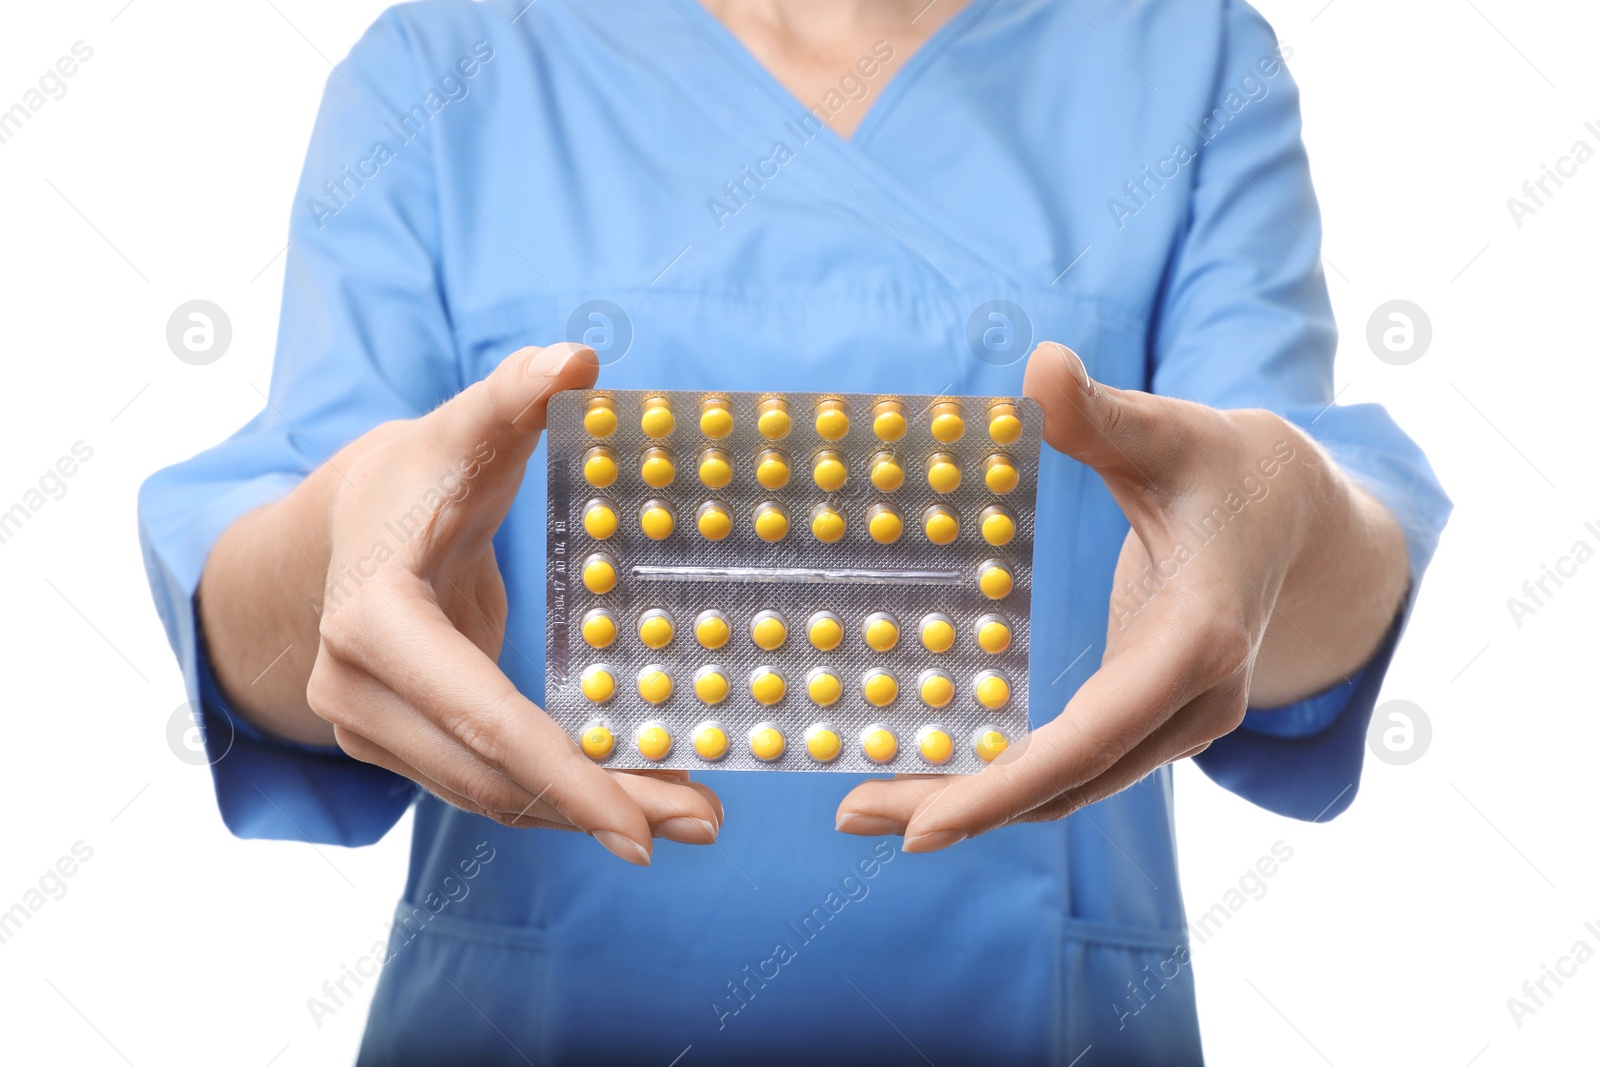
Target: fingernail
(550,360)
(855,822)
(1075,366)
(933,841)
(623,846)
(688,831)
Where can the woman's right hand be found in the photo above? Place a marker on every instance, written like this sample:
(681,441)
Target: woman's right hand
(413,620)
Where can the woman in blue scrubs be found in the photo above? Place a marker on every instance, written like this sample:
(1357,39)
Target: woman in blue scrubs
(1225,558)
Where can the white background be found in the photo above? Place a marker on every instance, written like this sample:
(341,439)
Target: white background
(1394,935)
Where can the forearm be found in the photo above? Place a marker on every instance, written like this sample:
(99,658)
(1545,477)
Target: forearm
(259,605)
(1339,597)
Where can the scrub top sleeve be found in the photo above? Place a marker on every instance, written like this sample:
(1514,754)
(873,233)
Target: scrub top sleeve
(363,338)
(1245,321)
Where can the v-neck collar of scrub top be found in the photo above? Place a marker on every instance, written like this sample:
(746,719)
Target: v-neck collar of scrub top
(880,195)
(761,76)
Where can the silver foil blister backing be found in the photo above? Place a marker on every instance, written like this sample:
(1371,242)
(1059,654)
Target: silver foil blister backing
(743,575)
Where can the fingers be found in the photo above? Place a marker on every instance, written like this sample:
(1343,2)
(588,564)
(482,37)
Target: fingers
(1113,711)
(367,751)
(397,634)
(689,812)
(888,806)
(415,748)
(366,712)
(1120,705)
(711,798)
(885,805)
(505,412)
(1127,436)
(1187,733)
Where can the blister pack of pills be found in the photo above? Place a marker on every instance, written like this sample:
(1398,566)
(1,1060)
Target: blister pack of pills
(790,581)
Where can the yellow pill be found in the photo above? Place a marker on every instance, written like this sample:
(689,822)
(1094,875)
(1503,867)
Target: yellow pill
(888,420)
(832,422)
(657,421)
(993,691)
(768,630)
(654,741)
(711,629)
(1000,474)
(772,419)
(936,688)
(655,684)
(715,469)
(767,686)
(944,473)
(937,631)
(599,467)
(935,744)
(771,523)
(1000,478)
(994,634)
(1004,425)
(823,686)
(824,631)
(887,473)
(599,628)
(601,418)
(599,573)
(940,524)
(829,471)
(598,683)
(880,631)
(713,521)
(657,470)
(948,426)
(711,686)
(880,689)
(997,526)
(597,742)
(655,628)
(766,741)
(994,579)
(710,741)
(879,744)
(772,469)
(600,519)
(989,744)
(716,421)
(822,743)
(827,525)
(656,519)
(884,524)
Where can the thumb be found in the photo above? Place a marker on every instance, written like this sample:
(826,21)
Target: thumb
(506,410)
(1127,436)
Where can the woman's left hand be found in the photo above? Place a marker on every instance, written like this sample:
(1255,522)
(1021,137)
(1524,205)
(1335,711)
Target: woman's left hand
(1255,573)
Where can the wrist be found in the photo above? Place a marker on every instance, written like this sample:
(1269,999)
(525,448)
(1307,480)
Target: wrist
(258,607)
(1347,578)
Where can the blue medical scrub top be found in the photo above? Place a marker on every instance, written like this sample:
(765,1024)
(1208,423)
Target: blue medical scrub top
(1126,178)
